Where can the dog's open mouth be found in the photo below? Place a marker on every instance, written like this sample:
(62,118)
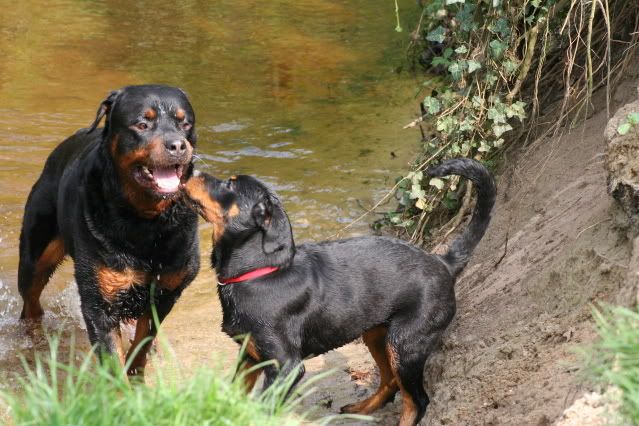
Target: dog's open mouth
(163,179)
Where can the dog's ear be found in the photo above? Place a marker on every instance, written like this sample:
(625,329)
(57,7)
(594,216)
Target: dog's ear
(271,217)
(105,108)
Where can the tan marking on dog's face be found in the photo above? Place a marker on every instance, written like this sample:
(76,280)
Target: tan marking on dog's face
(180,114)
(150,114)
(210,209)
(111,282)
(172,280)
(144,203)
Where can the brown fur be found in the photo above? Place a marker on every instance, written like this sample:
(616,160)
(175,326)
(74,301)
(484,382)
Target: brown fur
(172,280)
(116,335)
(375,340)
(142,331)
(111,282)
(211,210)
(150,114)
(46,265)
(180,114)
(234,211)
(147,205)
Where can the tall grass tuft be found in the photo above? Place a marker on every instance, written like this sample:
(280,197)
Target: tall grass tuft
(90,393)
(614,359)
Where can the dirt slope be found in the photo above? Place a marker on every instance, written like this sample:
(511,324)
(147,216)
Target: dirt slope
(508,357)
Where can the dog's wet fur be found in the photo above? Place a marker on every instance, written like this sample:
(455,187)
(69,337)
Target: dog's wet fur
(399,298)
(112,199)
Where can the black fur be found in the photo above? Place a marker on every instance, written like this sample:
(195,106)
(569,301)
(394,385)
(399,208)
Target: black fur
(327,294)
(107,217)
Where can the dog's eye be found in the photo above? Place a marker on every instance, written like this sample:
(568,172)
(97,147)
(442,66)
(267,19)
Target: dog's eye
(142,125)
(186,126)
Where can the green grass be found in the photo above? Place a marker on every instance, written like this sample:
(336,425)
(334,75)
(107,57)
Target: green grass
(88,393)
(614,359)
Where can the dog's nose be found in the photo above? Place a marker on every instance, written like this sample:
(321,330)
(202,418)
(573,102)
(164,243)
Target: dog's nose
(176,147)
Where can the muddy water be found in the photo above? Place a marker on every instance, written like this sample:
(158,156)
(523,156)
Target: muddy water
(303,94)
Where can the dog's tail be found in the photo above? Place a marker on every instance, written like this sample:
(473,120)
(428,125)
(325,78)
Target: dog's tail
(462,247)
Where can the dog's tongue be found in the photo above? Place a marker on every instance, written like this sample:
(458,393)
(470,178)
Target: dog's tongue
(166,179)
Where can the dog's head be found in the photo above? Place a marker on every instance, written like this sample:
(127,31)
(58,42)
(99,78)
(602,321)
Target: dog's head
(150,132)
(250,227)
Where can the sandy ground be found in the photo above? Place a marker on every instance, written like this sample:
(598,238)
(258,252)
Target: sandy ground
(557,245)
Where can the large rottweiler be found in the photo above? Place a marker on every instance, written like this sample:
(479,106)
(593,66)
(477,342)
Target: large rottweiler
(111,199)
(302,301)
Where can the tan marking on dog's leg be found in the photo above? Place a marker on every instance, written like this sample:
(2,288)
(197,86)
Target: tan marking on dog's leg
(375,340)
(250,378)
(46,265)
(409,408)
(172,280)
(142,331)
(116,336)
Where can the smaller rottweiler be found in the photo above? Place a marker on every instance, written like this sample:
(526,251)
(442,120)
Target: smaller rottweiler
(112,199)
(303,301)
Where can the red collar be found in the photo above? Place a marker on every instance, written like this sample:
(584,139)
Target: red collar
(251,275)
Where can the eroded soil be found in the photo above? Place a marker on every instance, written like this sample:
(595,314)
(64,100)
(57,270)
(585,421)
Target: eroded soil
(557,245)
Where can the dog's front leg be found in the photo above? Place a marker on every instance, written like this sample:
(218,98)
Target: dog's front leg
(103,326)
(145,331)
(283,371)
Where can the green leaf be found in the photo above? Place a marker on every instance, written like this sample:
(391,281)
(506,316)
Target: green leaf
(473,66)
(437,183)
(432,105)
(633,118)
(439,60)
(437,35)
(501,27)
(456,69)
(466,18)
(491,79)
(461,50)
(511,66)
(498,48)
(483,147)
(447,124)
(500,129)
(517,110)
(496,115)
(417,192)
(624,128)
(467,125)
(454,1)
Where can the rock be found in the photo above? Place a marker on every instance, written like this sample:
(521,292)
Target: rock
(622,162)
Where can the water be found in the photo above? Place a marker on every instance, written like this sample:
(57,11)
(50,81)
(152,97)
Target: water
(302,94)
